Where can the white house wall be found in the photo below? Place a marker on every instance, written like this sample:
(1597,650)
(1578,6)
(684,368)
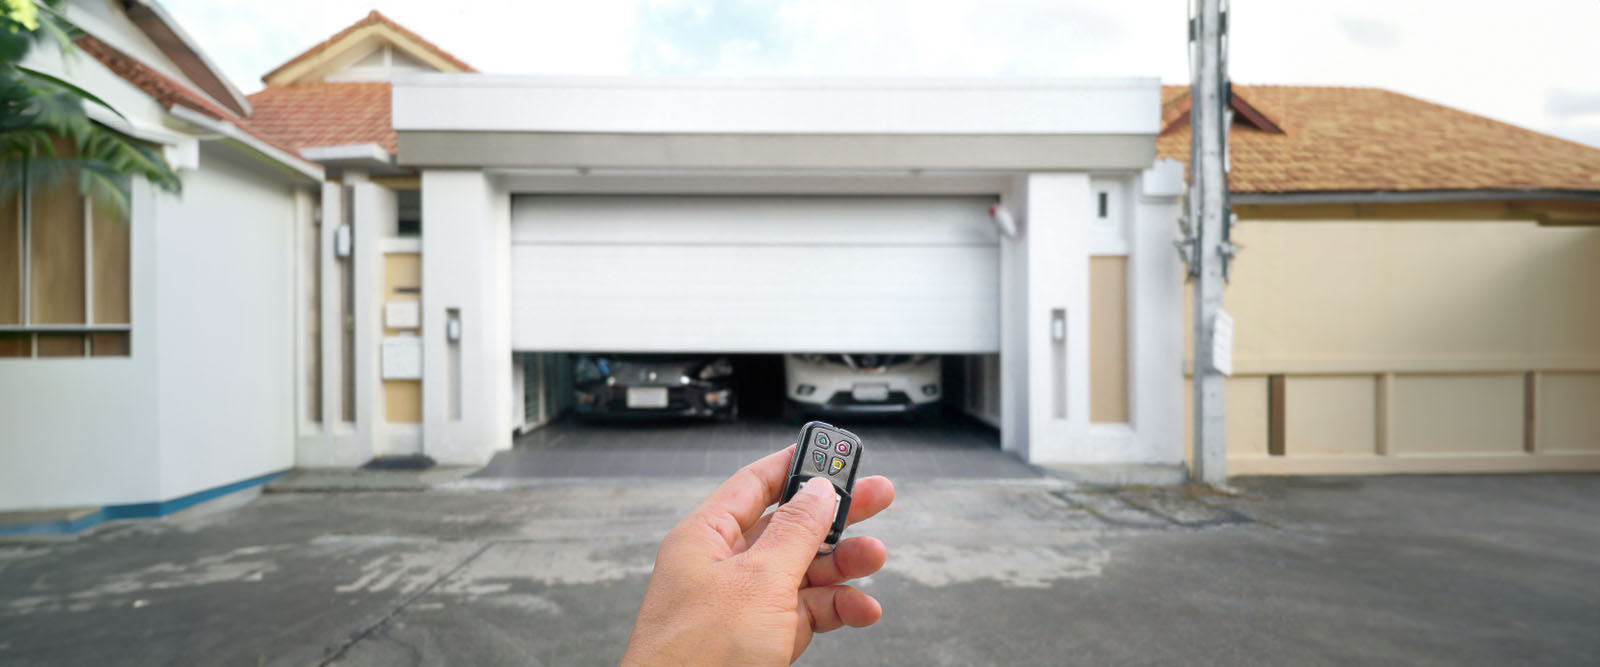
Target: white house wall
(224,284)
(1155,336)
(82,431)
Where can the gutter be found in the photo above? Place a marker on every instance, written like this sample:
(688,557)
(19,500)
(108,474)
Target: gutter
(231,132)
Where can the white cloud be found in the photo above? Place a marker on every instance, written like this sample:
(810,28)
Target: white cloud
(1479,56)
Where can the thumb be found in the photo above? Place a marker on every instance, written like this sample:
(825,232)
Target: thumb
(797,529)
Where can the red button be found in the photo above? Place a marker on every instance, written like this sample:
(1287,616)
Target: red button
(843,447)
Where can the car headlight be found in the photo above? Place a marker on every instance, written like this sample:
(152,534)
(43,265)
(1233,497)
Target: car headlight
(719,368)
(585,370)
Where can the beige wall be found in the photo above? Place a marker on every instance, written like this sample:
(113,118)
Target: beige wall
(1416,345)
(402,399)
(1108,339)
(1414,295)
(1568,412)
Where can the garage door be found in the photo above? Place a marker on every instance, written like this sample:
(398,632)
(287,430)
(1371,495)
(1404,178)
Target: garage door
(754,274)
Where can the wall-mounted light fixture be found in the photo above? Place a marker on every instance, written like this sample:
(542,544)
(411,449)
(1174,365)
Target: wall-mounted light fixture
(1003,219)
(342,241)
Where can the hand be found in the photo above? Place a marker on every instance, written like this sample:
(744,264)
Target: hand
(731,586)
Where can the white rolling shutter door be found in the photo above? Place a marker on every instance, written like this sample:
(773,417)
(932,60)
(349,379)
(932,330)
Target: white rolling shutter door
(754,274)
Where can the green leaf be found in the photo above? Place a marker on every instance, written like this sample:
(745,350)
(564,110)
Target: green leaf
(80,92)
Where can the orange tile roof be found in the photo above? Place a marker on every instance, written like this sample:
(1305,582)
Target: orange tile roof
(326,114)
(1367,139)
(167,91)
(369,19)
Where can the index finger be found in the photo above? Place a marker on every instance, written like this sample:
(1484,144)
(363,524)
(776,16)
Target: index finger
(748,493)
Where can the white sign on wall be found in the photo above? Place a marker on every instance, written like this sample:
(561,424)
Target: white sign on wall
(402,358)
(1222,343)
(402,315)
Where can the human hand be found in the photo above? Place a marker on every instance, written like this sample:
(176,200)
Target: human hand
(731,586)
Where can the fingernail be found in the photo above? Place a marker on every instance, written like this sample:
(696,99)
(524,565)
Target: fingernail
(821,488)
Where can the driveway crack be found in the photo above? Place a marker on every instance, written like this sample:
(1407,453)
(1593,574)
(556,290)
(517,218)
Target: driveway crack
(381,623)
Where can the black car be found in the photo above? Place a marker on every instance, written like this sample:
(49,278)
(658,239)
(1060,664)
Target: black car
(653,385)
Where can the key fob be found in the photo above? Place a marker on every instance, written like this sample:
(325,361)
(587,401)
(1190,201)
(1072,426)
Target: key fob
(826,451)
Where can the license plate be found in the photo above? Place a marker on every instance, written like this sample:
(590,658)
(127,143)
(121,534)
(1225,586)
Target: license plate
(870,392)
(647,397)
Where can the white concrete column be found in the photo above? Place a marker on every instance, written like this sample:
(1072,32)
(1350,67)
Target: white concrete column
(305,205)
(375,212)
(466,266)
(1056,320)
(332,322)
(1155,322)
(1014,325)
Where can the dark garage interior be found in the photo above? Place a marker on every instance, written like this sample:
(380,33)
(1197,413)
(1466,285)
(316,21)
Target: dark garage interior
(566,446)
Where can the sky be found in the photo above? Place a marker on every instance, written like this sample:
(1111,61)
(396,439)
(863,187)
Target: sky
(1535,63)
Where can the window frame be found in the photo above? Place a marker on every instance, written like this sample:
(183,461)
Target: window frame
(25,286)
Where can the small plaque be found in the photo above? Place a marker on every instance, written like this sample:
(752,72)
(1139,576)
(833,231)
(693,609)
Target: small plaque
(402,315)
(402,358)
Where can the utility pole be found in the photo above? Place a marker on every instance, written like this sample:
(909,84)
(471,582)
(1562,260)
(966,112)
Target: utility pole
(1208,220)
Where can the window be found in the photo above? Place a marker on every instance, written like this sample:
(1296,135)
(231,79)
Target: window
(64,263)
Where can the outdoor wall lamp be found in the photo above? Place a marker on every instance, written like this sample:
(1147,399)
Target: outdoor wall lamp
(341,241)
(1003,220)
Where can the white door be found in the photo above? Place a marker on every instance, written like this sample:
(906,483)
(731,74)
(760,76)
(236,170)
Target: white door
(754,274)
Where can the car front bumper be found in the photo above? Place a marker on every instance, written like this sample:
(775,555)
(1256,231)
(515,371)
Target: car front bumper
(842,403)
(611,401)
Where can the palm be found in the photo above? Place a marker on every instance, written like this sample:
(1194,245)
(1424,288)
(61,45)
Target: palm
(45,129)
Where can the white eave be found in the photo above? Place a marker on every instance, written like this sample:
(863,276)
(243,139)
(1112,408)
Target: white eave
(477,102)
(368,157)
(521,121)
(226,130)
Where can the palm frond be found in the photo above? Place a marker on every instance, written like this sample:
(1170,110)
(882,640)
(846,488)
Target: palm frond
(46,136)
(41,77)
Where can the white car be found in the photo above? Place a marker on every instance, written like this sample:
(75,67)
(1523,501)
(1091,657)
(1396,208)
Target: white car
(828,384)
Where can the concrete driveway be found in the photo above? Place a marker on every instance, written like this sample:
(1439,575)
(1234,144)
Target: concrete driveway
(1413,570)
(945,448)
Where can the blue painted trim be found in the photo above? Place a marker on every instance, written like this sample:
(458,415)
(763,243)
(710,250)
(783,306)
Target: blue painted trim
(62,527)
(137,510)
(165,507)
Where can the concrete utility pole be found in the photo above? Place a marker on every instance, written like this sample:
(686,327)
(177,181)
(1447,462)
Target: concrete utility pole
(1209,217)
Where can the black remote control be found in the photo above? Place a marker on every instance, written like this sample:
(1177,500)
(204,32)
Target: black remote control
(830,452)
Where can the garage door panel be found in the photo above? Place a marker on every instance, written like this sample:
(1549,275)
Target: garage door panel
(755,299)
(810,221)
(754,274)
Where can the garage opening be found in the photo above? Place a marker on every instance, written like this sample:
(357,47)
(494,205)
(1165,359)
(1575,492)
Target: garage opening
(785,292)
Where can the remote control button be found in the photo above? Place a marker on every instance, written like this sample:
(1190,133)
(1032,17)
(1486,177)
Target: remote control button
(819,460)
(822,440)
(843,447)
(836,466)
